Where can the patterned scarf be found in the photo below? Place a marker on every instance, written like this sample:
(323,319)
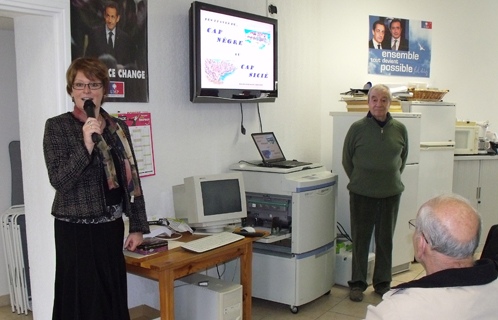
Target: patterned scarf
(119,139)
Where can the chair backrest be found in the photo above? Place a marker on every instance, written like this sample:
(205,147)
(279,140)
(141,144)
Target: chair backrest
(17,196)
(490,249)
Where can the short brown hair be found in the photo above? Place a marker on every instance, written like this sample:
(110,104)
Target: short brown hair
(111,4)
(92,68)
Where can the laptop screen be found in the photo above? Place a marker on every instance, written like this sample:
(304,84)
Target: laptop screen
(268,147)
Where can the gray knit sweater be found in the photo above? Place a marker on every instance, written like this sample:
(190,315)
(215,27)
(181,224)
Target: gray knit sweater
(374,157)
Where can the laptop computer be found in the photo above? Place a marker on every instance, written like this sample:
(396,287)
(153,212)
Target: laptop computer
(271,153)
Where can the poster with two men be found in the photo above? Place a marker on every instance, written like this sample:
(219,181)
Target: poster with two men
(399,47)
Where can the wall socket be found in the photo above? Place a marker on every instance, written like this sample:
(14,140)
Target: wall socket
(272,10)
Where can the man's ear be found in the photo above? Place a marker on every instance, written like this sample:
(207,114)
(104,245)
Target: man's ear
(420,245)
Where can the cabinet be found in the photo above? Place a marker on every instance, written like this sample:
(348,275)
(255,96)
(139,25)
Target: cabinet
(475,178)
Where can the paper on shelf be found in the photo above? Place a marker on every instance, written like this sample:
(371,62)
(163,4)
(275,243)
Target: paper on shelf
(157,230)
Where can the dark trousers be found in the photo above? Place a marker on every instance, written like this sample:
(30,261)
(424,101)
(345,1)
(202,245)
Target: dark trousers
(367,213)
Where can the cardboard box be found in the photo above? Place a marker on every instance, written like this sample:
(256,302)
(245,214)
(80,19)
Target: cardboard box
(144,312)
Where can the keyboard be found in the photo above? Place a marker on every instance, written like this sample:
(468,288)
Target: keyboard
(211,242)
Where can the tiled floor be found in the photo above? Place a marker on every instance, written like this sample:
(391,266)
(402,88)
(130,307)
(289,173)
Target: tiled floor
(7,314)
(334,306)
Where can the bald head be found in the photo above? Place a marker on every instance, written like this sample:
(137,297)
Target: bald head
(451,225)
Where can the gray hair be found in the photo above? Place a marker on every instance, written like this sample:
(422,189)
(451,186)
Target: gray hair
(438,236)
(382,88)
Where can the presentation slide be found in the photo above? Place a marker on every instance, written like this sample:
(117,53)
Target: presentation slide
(236,53)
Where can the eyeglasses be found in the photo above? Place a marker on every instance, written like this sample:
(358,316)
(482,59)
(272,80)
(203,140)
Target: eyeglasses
(91,85)
(413,226)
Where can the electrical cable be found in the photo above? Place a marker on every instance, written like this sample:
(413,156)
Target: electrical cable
(220,275)
(343,232)
(259,116)
(253,164)
(242,129)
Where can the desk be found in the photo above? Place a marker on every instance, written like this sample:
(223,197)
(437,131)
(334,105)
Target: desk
(170,265)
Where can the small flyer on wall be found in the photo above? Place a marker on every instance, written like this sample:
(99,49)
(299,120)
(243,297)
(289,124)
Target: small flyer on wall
(140,126)
(399,47)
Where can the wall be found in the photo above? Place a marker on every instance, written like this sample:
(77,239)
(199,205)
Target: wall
(9,130)
(188,138)
(321,55)
(463,58)
(192,139)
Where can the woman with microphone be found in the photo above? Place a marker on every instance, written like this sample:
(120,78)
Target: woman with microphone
(96,180)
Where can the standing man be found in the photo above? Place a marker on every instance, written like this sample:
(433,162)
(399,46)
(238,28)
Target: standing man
(108,39)
(447,232)
(397,42)
(374,156)
(378,32)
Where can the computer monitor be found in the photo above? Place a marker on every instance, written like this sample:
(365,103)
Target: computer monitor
(211,202)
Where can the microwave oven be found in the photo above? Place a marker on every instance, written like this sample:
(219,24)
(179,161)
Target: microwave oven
(467,139)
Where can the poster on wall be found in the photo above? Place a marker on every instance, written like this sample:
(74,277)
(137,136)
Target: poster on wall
(116,33)
(140,125)
(399,47)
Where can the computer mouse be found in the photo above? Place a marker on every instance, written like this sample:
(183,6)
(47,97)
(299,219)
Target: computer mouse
(248,230)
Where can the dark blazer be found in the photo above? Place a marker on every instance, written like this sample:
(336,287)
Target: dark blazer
(78,176)
(403,44)
(124,49)
(371,45)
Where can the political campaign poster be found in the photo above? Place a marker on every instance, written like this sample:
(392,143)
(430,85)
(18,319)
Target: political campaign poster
(116,33)
(399,47)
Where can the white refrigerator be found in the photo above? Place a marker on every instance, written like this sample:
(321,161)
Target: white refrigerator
(403,248)
(437,147)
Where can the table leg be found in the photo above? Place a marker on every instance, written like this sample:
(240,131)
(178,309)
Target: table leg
(246,281)
(166,295)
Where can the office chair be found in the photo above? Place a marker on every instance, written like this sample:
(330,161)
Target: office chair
(490,249)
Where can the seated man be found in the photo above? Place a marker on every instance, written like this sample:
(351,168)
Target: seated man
(447,232)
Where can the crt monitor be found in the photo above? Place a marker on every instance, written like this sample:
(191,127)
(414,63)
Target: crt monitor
(211,202)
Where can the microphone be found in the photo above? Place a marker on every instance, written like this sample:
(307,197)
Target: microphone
(89,107)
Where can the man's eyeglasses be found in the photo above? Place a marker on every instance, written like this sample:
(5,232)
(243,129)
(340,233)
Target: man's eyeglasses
(91,85)
(413,226)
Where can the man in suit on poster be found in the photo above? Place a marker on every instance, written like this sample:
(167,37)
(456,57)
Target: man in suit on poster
(378,32)
(108,39)
(396,41)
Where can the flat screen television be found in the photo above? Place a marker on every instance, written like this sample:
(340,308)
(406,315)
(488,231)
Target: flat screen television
(233,55)
(211,202)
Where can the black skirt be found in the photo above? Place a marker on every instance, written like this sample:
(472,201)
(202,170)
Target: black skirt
(90,274)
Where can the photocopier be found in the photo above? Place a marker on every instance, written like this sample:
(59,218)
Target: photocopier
(295,264)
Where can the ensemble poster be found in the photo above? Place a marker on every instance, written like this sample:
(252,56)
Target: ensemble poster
(399,47)
(116,33)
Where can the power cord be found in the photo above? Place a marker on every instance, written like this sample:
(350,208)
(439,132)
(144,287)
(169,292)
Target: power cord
(260,122)
(343,232)
(242,129)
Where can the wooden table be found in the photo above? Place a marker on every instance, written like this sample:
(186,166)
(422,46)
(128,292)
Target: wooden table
(170,265)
